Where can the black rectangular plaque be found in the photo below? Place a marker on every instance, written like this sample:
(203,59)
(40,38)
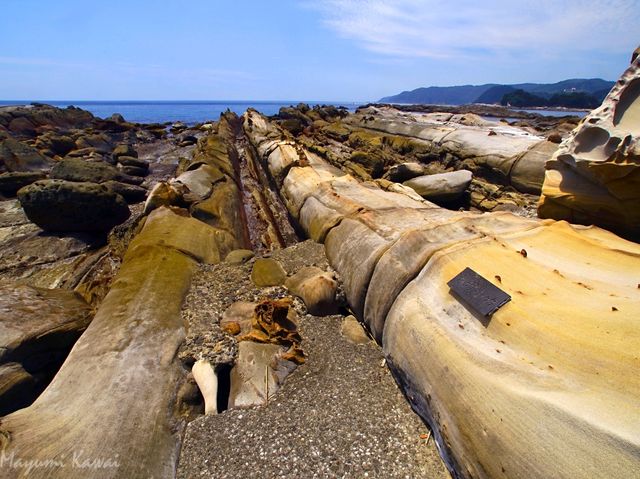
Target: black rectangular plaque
(483,296)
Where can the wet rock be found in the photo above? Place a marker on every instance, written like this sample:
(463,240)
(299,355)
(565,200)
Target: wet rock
(57,205)
(405,171)
(18,156)
(353,331)
(239,256)
(267,272)
(11,182)
(316,288)
(594,177)
(131,193)
(186,140)
(443,186)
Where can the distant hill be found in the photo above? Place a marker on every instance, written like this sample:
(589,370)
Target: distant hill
(493,92)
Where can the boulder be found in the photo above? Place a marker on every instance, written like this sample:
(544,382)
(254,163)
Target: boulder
(133,161)
(594,176)
(18,156)
(124,150)
(527,172)
(239,256)
(135,171)
(76,169)
(267,272)
(99,141)
(116,118)
(11,182)
(53,145)
(460,138)
(316,288)
(441,187)
(57,205)
(352,330)
(405,171)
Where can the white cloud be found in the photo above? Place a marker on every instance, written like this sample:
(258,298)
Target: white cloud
(440,28)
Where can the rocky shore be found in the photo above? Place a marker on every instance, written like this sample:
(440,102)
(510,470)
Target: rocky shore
(271,296)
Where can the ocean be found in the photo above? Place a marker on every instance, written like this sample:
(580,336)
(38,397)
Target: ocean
(192,112)
(189,112)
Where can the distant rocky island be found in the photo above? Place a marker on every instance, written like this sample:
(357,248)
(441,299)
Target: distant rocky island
(574,93)
(417,291)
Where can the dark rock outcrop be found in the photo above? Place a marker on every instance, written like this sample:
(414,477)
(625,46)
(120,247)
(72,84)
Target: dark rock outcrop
(11,182)
(76,169)
(28,121)
(18,156)
(57,205)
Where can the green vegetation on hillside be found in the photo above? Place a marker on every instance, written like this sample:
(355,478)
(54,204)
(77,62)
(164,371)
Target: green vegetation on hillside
(574,99)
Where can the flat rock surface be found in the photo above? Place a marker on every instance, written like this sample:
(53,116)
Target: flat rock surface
(338,415)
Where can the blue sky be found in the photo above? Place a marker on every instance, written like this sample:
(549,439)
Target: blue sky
(302,49)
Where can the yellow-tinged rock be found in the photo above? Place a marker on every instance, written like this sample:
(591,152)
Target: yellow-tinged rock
(594,176)
(547,387)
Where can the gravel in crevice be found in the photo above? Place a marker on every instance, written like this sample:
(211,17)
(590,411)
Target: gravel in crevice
(340,414)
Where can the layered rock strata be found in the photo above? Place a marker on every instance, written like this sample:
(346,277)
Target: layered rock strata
(594,177)
(114,399)
(506,154)
(547,386)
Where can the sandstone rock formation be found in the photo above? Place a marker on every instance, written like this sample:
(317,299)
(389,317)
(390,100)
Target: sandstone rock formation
(467,138)
(316,288)
(441,187)
(545,362)
(114,399)
(594,177)
(38,328)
